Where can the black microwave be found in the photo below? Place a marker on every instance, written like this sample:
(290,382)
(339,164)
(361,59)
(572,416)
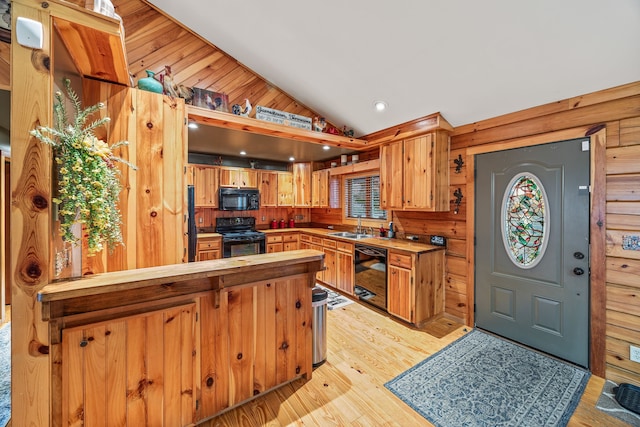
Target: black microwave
(238,199)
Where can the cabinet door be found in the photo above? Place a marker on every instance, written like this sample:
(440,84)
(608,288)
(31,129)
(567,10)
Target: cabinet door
(274,247)
(238,177)
(134,371)
(268,189)
(285,189)
(206,183)
(320,189)
(391,174)
(399,293)
(302,185)
(344,272)
(418,172)
(330,258)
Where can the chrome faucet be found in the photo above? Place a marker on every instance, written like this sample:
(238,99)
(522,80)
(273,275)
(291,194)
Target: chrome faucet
(359,227)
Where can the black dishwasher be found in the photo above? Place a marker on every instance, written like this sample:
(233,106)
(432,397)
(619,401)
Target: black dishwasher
(370,266)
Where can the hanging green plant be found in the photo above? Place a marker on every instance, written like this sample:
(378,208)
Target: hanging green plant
(88,179)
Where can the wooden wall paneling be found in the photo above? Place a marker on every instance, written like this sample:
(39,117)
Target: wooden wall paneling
(154,40)
(94,374)
(623,160)
(116,373)
(622,321)
(624,222)
(5,66)
(613,133)
(174,199)
(593,114)
(149,218)
(630,131)
(599,190)
(30,222)
(574,103)
(623,188)
(623,271)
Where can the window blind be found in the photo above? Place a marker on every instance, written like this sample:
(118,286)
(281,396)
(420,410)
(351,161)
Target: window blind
(362,198)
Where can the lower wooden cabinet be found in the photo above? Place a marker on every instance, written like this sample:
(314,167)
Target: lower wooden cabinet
(135,371)
(182,365)
(279,242)
(415,285)
(250,345)
(209,248)
(344,268)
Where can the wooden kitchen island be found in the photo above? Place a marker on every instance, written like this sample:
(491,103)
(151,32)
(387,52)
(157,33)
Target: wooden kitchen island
(178,344)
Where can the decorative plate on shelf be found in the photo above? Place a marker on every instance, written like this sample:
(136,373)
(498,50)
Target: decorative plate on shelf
(5,21)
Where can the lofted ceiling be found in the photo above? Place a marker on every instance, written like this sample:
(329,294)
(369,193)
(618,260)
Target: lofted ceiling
(468,60)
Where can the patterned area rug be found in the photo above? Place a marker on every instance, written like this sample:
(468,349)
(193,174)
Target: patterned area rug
(334,299)
(607,403)
(482,380)
(5,374)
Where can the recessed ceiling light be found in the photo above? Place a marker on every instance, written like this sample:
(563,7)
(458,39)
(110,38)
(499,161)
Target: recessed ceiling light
(291,159)
(243,153)
(325,147)
(192,125)
(380,105)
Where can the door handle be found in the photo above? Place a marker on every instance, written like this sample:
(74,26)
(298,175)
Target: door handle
(578,271)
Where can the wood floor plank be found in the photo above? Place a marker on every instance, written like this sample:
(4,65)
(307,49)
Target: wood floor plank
(365,349)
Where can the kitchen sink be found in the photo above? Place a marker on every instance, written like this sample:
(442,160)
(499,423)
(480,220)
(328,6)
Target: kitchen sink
(350,235)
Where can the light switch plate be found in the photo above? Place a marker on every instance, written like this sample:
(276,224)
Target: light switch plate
(634,353)
(29,32)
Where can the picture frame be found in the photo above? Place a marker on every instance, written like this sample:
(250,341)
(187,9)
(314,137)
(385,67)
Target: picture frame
(5,21)
(211,100)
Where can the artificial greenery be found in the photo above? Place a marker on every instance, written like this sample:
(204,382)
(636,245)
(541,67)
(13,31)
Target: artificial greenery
(88,179)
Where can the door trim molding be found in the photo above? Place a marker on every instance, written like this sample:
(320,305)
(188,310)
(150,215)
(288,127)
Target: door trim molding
(597,228)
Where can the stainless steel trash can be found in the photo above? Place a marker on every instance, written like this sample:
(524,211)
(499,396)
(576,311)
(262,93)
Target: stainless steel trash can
(319,304)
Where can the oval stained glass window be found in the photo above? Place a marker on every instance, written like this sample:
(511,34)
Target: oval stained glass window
(525,220)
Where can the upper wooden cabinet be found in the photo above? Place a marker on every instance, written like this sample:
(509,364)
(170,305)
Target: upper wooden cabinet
(268,187)
(238,177)
(276,189)
(414,173)
(302,185)
(320,188)
(206,183)
(285,189)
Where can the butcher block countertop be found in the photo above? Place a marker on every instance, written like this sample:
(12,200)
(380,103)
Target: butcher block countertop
(108,290)
(395,244)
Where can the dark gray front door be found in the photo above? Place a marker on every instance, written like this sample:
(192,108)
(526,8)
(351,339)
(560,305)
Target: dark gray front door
(532,247)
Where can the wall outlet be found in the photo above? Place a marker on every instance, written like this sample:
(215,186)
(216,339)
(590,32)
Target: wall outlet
(634,354)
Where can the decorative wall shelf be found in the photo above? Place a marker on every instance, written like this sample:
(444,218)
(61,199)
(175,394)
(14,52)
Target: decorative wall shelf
(231,121)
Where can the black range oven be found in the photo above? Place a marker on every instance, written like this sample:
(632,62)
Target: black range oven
(239,236)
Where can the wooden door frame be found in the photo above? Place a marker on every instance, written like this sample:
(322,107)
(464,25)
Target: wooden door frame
(597,229)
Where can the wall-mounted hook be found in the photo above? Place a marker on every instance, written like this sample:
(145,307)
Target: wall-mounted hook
(458,195)
(459,162)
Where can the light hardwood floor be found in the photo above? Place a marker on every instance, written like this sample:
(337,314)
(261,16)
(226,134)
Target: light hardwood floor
(365,350)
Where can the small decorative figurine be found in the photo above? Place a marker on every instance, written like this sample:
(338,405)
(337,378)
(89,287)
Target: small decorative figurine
(319,124)
(173,89)
(239,111)
(347,132)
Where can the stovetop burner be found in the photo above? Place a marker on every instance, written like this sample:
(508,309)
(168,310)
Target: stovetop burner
(243,227)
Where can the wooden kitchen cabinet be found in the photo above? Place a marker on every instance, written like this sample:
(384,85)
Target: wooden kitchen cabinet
(274,243)
(414,173)
(238,177)
(135,371)
(330,258)
(276,189)
(268,187)
(344,267)
(206,183)
(302,185)
(415,285)
(320,188)
(308,241)
(209,248)
(282,242)
(285,189)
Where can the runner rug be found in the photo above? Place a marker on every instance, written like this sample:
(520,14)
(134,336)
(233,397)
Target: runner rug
(5,374)
(483,380)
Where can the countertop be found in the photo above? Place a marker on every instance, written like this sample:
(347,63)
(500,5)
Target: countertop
(382,242)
